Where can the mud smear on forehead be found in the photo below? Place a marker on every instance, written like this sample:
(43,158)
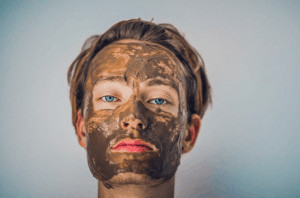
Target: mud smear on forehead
(138,60)
(135,62)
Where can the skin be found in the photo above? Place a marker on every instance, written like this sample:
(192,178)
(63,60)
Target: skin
(135,74)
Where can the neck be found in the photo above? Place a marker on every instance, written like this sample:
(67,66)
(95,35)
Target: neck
(138,191)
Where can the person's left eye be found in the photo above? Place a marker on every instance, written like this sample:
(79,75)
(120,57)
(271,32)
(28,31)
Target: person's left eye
(158,101)
(109,99)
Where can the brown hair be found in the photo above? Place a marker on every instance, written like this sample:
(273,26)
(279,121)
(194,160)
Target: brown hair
(198,92)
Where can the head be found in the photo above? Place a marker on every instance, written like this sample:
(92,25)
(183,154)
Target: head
(138,93)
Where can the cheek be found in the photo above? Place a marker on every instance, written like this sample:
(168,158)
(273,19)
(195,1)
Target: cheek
(168,131)
(102,122)
(170,134)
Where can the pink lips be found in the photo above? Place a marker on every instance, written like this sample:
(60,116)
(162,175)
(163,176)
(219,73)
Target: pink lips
(132,146)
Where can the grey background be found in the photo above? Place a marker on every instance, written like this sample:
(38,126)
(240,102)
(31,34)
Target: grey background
(249,140)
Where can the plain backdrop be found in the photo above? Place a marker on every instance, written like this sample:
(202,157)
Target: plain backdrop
(249,141)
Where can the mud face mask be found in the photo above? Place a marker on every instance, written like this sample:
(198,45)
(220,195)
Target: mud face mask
(135,112)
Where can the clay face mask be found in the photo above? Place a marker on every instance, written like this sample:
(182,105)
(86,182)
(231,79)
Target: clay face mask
(134,113)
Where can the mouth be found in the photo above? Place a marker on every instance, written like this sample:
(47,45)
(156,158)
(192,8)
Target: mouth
(133,146)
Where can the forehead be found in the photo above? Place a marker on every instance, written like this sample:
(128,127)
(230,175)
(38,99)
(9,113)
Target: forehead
(131,58)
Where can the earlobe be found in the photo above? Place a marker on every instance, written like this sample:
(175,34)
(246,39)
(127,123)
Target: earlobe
(80,129)
(191,133)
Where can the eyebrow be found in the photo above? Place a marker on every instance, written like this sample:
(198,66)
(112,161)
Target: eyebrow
(110,79)
(150,82)
(158,81)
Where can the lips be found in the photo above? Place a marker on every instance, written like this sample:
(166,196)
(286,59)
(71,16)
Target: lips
(133,146)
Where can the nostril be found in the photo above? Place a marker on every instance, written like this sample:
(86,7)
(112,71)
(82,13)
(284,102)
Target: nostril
(125,124)
(140,125)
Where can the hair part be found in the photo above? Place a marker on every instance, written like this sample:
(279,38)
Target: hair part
(198,93)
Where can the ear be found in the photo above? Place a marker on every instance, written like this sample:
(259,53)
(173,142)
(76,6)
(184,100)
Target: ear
(80,129)
(191,133)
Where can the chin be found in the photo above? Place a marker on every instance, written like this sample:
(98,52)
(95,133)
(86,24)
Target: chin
(129,178)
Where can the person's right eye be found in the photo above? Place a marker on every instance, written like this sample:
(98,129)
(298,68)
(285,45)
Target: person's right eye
(109,99)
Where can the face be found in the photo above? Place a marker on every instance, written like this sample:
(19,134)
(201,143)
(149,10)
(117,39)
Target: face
(135,113)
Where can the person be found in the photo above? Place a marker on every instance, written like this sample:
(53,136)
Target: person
(138,93)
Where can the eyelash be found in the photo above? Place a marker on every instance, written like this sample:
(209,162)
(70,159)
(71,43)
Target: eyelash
(106,99)
(156,101)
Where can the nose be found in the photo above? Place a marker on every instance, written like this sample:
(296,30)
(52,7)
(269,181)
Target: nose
(131,122)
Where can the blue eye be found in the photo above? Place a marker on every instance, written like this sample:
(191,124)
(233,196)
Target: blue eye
(109,98)
(158,101)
